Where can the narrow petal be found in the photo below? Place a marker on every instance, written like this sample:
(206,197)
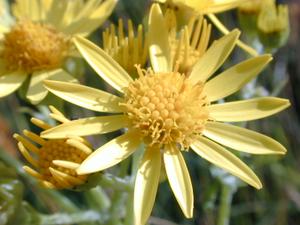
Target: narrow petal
(89,20)
(111,153)
(179,179)
(220,157)
(242,139)
(159,49)
(246,110)
(36,91)
(103,64)
(86,97)
(213,59)
(87,126)
(27,9)
(146,183)
(10,82)
(55,12)
(235,77)
(61,75)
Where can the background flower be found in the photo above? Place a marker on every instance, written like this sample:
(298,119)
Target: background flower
(37,42)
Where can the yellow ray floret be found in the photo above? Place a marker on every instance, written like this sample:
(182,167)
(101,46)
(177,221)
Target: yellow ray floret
(55,161)
(171,112)
(37,44)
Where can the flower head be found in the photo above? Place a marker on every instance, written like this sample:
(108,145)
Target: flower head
(169,111)
(45,47)
(37,43)
(252,6)
(55,160)
(273,18)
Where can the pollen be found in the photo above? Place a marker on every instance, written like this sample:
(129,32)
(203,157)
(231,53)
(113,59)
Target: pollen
(32,47)
(166,108)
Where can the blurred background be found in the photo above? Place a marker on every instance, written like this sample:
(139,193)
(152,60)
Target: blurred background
(220,199)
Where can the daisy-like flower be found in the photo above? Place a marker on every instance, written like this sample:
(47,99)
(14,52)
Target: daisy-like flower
(272,18)
(252,6)
(36,45)
(55,161)
(170,112)
(128,50)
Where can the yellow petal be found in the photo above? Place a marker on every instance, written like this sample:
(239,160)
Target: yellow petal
(220,157)
(246,110)
(103,64)
(159,49)
(146,184)
(111,153)
(179,179)
(235,77)
(90,18)
(86,97)
(27,9)
(214,57)
(55,13)
(87,126)
(10,82)
(242,139)
(36,91)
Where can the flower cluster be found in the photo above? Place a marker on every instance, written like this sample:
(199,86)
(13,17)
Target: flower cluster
(171,90)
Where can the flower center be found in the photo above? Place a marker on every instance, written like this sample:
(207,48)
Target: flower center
(166,108)
(59,150)
(33,46)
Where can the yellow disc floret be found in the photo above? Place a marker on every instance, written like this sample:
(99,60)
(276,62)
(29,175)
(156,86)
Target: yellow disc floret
(166,108)
(33,46)
(59,150)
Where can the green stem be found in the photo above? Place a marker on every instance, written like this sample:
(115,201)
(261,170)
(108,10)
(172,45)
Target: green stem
(129,209)
(75,218)
(111,181)
(225,205)
(117,202)
(97,199)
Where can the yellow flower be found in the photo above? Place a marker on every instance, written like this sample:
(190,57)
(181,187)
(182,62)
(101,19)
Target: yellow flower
(273,19)
(56,160)
(38,42)
(169,112)
(252,6)
(128,50)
